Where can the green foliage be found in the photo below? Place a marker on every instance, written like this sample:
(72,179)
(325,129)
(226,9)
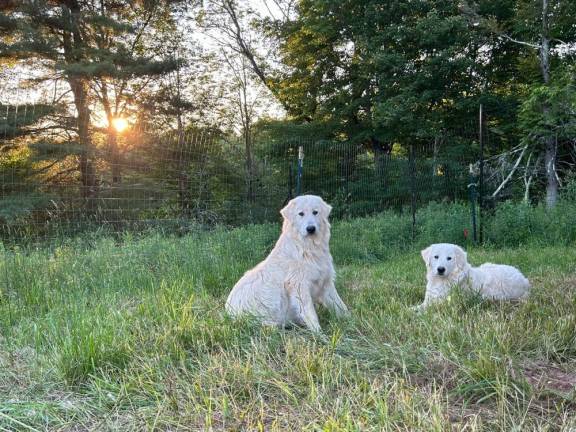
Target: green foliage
(387,235)
(363,83)
(407,72)
(100,50)
(441,223)
(519,224)
(17,210)
(15,119)
(102,47)
(569,191)
(399,73)
(558,121)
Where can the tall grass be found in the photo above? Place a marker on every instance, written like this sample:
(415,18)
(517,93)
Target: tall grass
(131,334)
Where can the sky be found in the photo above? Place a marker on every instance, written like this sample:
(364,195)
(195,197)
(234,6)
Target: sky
(271,107)
(13,88)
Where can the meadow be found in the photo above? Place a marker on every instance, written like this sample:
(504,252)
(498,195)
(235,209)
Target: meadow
(130,334)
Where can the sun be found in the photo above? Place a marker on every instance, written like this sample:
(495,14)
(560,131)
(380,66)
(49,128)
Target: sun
(120,124)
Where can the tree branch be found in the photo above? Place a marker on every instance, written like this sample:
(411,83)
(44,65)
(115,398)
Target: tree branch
(509,176)
(516,41)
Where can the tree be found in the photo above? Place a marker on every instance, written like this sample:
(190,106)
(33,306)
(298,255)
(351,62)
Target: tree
(247,89)
(182,105)
(556,126)
(89,43)
(138,57)
(228,25)
(246,101)
(540,28)
(379,73)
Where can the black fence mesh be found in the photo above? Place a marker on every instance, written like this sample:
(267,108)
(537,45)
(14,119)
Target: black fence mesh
(147,171)
(144,180)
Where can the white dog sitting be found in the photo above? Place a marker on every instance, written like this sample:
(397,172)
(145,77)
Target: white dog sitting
(297,274)
(447,266)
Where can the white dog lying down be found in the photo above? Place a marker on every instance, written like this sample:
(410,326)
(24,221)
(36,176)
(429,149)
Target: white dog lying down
(298,273)
(447,266)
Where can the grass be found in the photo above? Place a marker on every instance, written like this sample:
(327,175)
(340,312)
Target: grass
(132,336)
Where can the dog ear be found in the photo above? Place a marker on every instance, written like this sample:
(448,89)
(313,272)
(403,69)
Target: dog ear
(327,208)
(285,212)
(462,256)
(426,255)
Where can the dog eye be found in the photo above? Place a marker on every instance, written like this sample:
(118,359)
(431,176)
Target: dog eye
(435,256)
(449,258)
(301,213)
(315,212)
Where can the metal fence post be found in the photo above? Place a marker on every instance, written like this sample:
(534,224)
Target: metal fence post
(472,194)
(290,181)
(300,169)
(412,165)
(481,173)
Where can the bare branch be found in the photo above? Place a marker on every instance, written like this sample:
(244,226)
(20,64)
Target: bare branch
(529,176)
(509,176)
(46,167)
(516,41)
(270,11)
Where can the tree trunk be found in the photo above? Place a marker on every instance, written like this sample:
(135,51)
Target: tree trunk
(202,174)
(347,164)
(551,176)
(112,136)
(114,156)
(249,165)
(73,49)
(549,141)
(529,174)
(246,118)
(87,170)
(381,154)
(184,182)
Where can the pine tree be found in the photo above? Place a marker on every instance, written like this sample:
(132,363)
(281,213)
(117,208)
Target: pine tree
(91,43)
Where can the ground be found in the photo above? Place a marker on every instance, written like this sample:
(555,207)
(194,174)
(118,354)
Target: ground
(131,335)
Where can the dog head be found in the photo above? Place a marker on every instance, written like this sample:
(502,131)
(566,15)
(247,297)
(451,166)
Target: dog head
(444,260)
(307,215)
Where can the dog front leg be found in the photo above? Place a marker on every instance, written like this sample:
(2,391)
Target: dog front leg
(305,309)
(332,301)
(434,294)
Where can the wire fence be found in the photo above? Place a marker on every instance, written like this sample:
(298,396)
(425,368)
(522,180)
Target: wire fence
(63,176)
(137,179)
(143,180)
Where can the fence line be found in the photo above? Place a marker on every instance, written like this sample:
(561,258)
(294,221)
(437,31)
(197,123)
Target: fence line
(142,178)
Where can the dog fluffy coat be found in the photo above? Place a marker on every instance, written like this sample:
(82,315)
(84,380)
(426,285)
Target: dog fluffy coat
(297,274)
(447,266)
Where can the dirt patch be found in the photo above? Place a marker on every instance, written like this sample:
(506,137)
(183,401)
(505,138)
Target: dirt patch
(16,368)
(544,376)
(438,370)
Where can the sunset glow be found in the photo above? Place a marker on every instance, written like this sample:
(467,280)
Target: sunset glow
(120,124)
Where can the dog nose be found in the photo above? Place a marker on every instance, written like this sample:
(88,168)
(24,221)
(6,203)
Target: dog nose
(441,270)
(311,229)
